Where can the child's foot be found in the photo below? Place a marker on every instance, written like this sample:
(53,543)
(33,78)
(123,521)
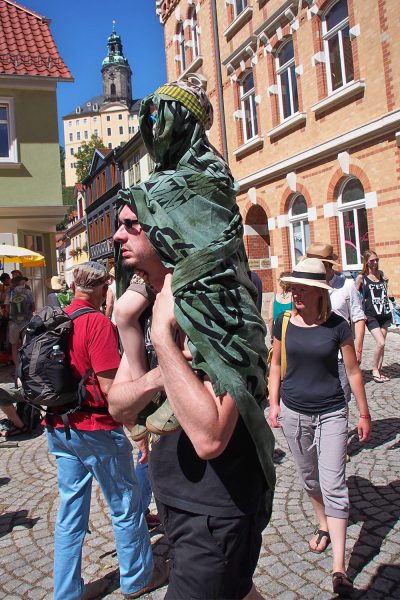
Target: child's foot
(138,432)
(163,420)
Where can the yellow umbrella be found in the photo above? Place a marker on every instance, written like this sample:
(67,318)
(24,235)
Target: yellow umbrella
(16,254)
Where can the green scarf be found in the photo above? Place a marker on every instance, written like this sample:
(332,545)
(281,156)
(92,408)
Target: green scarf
(189,213)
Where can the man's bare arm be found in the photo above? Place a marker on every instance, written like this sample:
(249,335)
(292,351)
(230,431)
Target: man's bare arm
(105,379)
(127,398)
(207,419)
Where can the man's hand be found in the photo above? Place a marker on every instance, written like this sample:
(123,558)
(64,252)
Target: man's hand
(143,446)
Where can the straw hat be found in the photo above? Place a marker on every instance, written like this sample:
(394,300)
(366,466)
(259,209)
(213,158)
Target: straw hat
(323,252)
(55,283)
(310,271)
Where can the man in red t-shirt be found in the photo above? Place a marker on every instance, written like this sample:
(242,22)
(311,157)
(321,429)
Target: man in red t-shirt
(98,448)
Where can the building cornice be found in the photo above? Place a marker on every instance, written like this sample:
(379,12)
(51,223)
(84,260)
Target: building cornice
(25,82)
(374,129)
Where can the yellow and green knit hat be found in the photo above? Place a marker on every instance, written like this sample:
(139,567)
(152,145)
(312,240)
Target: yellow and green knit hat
(193,97)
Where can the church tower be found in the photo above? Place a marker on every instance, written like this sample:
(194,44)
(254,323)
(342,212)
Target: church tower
(116,72)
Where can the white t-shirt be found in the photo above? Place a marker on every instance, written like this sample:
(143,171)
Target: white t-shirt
(345,299)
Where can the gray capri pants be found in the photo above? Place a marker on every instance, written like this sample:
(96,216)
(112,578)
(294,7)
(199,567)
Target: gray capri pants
(318,444)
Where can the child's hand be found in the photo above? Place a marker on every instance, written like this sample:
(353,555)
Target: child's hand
(142,274)
(163,319)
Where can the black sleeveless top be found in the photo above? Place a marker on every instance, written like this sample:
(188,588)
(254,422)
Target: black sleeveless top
(376,301)
(227,486)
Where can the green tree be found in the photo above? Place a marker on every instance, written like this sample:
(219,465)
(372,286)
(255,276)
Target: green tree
(67,193)
(85,155)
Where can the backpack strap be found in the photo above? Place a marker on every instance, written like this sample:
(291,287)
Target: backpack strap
(82,311)
(285,321)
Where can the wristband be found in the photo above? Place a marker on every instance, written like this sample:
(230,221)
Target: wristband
(365,417)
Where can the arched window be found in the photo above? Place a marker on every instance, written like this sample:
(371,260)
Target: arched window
(353,223)
(337,46)
(182,47)
(113,90)
(194,34)
(248,107)
(287,82)
(299,228)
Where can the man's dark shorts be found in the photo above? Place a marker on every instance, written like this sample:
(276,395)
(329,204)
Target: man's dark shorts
(214,558)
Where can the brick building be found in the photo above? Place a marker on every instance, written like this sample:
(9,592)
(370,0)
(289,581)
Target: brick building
(307,101)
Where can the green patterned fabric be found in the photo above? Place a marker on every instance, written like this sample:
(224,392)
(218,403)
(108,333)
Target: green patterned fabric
(188,211)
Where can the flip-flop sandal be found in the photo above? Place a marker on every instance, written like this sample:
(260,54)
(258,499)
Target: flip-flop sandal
(381,379)
(321,535)
(342,585)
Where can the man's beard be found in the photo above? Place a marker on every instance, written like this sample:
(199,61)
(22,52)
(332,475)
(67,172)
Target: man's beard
(127,266)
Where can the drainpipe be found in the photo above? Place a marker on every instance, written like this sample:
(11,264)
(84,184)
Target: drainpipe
(219,78)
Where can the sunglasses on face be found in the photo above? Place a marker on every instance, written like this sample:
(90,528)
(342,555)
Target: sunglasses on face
(373,260)
(129,223)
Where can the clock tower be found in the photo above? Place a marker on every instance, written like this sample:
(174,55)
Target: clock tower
(116,72)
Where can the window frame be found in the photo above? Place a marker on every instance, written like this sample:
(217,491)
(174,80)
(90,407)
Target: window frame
(237,12)
(194,34)
(326,36)
(302,218)
(244,97)
(182,47)
(280,70)
(347,207)
(9,104)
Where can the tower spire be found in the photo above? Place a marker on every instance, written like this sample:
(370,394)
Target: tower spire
(116,71)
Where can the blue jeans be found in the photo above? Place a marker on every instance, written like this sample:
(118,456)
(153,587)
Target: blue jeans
(107,456)
(142,475)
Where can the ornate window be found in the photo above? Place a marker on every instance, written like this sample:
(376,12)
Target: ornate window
(337,46)
(238,7)
(248,107)
(287,82)
(353,223)
(194,34)
(299,228)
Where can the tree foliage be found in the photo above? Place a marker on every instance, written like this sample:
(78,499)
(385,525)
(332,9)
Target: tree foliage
(67,193)
(85,155)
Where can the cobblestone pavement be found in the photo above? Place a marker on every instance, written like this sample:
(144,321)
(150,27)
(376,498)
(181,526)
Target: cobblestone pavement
(286,569)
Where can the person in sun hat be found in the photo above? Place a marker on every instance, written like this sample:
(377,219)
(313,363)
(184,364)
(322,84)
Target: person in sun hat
(60,295)
(310,407)
(213,478)
(345,301)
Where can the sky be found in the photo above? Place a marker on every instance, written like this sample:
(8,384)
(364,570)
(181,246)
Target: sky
(80,29)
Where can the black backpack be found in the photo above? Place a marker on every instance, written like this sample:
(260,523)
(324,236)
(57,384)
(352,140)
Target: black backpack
(46,383)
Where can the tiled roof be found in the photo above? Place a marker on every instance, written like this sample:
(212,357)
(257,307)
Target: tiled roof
(26,44)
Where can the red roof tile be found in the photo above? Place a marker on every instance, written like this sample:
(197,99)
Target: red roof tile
(27,46)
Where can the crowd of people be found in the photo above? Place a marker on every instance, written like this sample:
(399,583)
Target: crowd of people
(178,358)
